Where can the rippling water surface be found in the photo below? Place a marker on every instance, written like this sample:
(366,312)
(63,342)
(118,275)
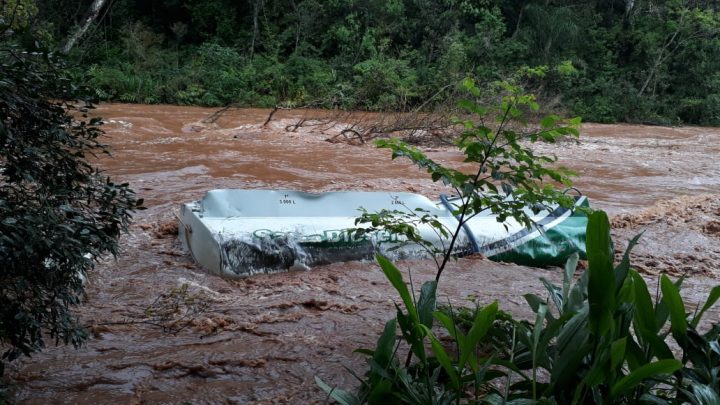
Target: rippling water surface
(263,339)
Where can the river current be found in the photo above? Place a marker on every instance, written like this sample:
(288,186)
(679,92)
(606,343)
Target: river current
(164,331)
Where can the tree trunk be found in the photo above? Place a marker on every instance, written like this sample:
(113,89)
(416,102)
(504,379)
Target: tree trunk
(90,17)
(664,53)
(256,11)
(297,26)
(519,20)
(629,6)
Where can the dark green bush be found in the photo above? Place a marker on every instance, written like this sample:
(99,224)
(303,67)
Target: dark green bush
(121,84)
(310,81)
(59,215)
(385,84)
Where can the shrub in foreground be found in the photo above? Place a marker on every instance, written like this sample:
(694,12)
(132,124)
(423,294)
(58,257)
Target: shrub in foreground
(58,213)
(600,339)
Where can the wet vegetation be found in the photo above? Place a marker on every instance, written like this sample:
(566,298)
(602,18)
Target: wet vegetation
(618,60)
(58,214)
(600,338)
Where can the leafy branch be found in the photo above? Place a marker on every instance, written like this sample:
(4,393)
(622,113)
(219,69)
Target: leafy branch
(508,176)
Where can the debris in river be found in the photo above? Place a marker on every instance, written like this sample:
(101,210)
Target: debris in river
(236,233)
(712,228)
(172,311)
(165,229)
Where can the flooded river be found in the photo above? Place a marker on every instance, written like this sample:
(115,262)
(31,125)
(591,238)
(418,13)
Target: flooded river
(162,330)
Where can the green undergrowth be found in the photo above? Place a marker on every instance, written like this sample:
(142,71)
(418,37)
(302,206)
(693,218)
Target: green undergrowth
(603,337)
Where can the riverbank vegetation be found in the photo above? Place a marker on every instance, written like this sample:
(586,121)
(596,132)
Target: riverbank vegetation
(600,337)
(59,215)
(652,61)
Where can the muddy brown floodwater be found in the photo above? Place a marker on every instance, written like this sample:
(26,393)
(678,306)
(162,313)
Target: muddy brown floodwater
(163,330)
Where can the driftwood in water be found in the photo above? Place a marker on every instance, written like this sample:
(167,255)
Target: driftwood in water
(357,128)
(429,123)
(219,113)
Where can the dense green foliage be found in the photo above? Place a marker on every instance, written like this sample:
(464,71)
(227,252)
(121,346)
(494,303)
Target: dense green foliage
(599,340)
(58,214)
(606,60)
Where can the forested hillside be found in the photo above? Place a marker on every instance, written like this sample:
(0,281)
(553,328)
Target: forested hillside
(606,60)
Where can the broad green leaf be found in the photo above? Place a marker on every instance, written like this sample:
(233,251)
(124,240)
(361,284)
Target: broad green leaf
(659,347)
(412,333)
(648,371)
(644,319)
(644,316)
(549,121)
(678,321)
(598,234)
(596,374)
(534,301)
(572,345)
(341,396)
(449,325)
(469,85)
(538,328)
(536,335)
(472,107)
(482,322)
(395,277)
(378,370)
(625,298)
(617,352)
(578,293)
(442,357)
(601,285)
(366,352)
(622,269)
(426,303)
(712,299)
(662,312)
(386,344)
(551,331)
(634,355)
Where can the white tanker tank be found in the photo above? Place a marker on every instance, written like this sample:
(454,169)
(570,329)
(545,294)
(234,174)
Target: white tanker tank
(236,233)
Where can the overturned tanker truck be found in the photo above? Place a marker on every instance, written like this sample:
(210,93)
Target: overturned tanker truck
(237,233)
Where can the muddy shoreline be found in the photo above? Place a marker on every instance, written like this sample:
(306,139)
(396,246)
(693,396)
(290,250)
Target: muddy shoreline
(165,331)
